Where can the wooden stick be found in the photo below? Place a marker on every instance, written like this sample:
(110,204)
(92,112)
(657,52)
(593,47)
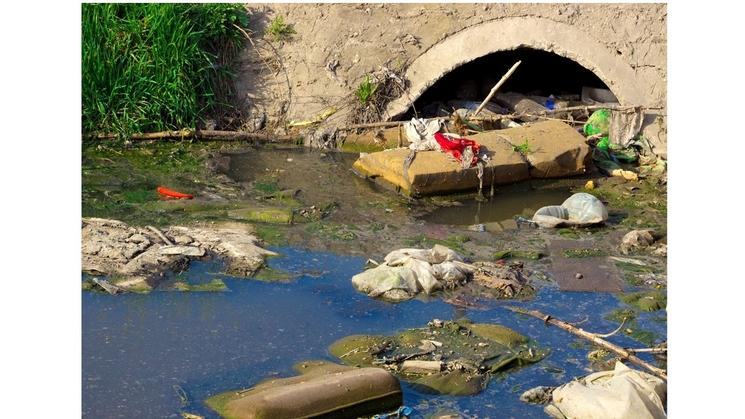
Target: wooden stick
(648,350)
(592,337)
(161,235)
(496,87)
(207,135)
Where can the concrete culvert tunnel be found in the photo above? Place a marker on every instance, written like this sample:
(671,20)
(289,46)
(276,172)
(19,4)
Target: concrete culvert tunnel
(540,74)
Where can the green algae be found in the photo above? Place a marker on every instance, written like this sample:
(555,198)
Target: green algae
(584,253)
(453,241)
(332,231)
(271,234)
(268,274)
(498,333)
(263,215)
(216,285)
(518,254)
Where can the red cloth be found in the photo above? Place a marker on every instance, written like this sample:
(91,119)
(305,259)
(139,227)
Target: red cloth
(455,146)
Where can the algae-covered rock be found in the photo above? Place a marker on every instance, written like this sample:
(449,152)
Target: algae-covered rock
(467,353)
(357,350)
(497,333)
(216,285)
(454,383)
(646,300)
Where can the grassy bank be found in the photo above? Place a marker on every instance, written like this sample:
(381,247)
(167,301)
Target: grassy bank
(153,67)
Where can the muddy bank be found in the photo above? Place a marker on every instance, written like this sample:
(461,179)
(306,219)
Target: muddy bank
(311,199)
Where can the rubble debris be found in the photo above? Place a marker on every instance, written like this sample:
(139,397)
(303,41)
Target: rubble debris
(136,260)
(636,240)
(503,281)
(580,209)
(323,388)
(597,96)
(521,105)
(468,354)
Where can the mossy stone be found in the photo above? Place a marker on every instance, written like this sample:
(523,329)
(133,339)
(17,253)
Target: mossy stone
(646,300)
(498,333)
(354,350)
(453,383)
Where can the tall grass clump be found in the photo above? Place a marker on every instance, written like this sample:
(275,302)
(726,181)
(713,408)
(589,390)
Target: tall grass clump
(154,67)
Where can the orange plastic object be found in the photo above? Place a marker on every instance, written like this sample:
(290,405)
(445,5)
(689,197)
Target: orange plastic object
(173,194)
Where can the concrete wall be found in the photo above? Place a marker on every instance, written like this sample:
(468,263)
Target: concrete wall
(337,44)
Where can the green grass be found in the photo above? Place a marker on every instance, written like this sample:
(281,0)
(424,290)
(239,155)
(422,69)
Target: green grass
(154,67)
(523,148)
(583,253)
(279,30)
(366,90)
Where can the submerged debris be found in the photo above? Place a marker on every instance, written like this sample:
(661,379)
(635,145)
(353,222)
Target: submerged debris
(636,240)
(447,357)
(621,393)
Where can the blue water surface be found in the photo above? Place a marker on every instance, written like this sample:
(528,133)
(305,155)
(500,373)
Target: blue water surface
(139,350)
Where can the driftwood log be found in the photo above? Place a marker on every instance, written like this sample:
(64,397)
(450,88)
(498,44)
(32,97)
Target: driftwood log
(594,338)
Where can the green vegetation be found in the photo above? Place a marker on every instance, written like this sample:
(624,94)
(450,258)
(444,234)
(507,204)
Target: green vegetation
(518,254)
(279,30)
(216,285)
(272,275)
(523,148)
(583,253)
(366,90)
(153,67)
(271,234)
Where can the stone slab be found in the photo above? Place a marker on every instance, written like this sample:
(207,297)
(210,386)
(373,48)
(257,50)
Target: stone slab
(555,150)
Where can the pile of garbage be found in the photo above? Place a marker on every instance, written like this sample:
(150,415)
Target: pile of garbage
(446,357)
(621,393)
(405,273)
(579,210)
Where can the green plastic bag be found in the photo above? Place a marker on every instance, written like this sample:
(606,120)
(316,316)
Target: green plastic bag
(598,123)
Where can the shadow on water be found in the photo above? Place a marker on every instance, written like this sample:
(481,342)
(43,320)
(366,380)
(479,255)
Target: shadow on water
(138,349)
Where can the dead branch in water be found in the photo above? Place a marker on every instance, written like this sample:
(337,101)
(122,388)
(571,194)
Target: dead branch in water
(594,338)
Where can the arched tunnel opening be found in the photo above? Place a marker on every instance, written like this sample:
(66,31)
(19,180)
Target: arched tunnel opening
(540,75)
